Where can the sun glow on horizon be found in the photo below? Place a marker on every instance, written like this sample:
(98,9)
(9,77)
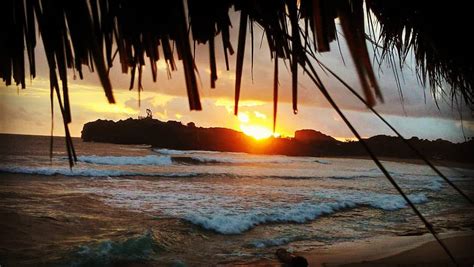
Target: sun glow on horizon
(256,131)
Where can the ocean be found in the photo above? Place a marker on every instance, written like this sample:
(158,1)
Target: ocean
(135,203)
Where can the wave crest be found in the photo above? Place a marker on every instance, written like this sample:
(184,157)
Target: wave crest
(301,212)
(88,172)
(106,252)
(126,160)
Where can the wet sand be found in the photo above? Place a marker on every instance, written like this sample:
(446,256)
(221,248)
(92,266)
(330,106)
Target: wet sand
(431,254)
(395,251)
(386,251)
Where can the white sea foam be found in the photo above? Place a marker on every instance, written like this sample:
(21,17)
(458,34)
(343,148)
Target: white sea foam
(228,213)
(86,172)
(172,152)
(424,184)
(387,202)
(434,186)
(247,159)
(104,253)
(270,242)
(94,172)
(126,160)
(431,183)
(201,156)
(296,213)
(165,151)
(227,222)
(277,241)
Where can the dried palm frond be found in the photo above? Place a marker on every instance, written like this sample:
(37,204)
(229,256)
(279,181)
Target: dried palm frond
(435,33)
(84,32)
(240,57)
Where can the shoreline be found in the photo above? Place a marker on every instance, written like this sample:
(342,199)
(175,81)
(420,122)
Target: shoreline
(393,250)
(430,253)
(418,250)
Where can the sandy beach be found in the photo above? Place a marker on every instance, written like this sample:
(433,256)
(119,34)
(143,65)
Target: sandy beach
(388,251)
(395,251)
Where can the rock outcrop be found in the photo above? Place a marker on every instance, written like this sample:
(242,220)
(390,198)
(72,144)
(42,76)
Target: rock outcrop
(175,135)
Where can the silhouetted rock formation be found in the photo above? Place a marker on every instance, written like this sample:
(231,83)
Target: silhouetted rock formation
(174,135)
(309,136)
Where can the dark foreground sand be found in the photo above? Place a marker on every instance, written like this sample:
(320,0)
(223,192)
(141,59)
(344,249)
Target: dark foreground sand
(396,251)
(388,251)
(431,254)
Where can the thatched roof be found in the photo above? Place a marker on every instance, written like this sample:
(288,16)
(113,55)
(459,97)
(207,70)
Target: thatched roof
(91,33)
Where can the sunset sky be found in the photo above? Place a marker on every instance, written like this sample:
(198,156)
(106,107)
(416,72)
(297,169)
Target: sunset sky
(28,111)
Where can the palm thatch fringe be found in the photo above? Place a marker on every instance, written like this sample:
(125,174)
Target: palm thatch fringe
(436,34)
(240,58)
(275,92)
(84,32)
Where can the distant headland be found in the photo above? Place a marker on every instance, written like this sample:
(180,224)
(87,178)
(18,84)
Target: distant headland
(307,142)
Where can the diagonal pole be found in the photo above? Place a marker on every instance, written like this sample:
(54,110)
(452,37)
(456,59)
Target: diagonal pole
(316,80)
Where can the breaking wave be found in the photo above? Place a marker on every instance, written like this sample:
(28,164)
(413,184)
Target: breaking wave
(227,159)
(169,157)
(87,172)
(278,241)
(225,223)
(108,252)
(124,160)
(209,157)
(172,152)
(233,214)
(433,185)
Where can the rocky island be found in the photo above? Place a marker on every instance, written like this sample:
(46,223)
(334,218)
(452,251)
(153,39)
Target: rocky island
(307,142)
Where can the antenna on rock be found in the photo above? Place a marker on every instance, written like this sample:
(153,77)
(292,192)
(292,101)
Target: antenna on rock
(149,114)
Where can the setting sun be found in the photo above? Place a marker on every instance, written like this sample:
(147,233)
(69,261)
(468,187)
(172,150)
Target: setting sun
(253,129)
(256,131)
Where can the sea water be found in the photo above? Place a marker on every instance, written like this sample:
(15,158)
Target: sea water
(255,203)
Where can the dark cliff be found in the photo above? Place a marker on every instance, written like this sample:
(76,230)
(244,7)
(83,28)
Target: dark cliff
(174,135)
